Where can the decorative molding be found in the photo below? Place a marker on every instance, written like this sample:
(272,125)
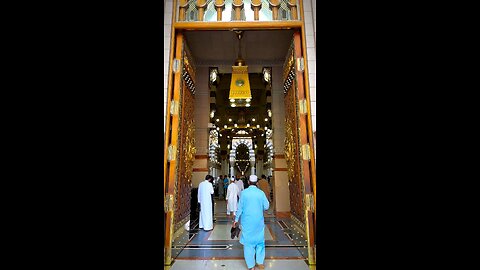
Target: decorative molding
(279,156)
(201,156)
(280,169)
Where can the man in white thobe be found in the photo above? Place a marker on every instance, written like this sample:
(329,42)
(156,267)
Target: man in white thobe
(205,191)
(232,199)
(240,186)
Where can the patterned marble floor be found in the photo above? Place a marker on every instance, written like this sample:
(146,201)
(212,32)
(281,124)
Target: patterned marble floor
(216,250)
(222,232)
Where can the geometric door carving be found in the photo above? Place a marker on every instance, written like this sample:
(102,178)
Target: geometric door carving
(186,146)
(292,142)
(180,143)
(299,143)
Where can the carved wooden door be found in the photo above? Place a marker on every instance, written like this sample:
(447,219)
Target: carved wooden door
(180,144)
(299,144)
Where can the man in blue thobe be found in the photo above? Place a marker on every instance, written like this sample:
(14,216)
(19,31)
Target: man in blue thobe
(250,211)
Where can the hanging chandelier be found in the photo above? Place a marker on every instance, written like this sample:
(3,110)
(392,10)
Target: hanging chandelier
(240,94)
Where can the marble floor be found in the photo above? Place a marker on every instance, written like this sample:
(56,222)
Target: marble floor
(284,246)
(238,265)
(222,232)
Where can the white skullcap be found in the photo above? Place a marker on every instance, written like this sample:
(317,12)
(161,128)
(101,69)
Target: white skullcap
(253,178)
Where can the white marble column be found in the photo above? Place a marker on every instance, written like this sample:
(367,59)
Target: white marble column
(232,166)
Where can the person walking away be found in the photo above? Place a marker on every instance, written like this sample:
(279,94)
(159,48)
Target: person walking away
(232,197)
(240,186)
(205,191)
(250,214)
(220,188)
(265,187)
(225,184)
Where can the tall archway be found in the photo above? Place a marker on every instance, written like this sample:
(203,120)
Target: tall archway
(251,153)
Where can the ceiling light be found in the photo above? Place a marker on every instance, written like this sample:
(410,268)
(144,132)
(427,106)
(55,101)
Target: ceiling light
(266,74)
(266,128)
(266,119)
(229,119)
(218,120)
(240,84)
(225,126)
(233,105)
(235,125)
(269,113)
(247,105)
(248,125)
(220,134)
(258,126)
(253,119)
(247,100)
(218,128)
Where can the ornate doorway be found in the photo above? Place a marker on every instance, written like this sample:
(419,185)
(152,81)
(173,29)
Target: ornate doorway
(180,143)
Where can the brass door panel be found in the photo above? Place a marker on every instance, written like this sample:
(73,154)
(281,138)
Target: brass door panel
(180,152)
(299,144)
(292,143)
(186,154)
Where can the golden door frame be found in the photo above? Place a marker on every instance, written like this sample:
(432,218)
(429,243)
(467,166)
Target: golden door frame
(306,133)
